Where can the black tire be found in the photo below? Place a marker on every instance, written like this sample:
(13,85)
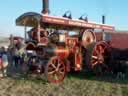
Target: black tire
(89,50)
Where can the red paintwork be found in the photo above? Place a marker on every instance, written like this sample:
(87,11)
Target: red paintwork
(78,61)
(74,23)
(62,52)
(98,36)
(117,39)
(71,43)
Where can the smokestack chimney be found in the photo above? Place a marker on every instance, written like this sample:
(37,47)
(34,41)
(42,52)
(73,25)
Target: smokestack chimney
(103,22)
(103,19)
(45,7)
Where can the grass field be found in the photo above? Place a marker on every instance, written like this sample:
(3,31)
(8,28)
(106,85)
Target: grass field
(75,84)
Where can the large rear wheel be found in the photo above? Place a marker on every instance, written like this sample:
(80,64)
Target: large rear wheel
(98,55)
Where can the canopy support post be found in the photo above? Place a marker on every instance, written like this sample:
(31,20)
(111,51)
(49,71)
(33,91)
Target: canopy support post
(11,41)
(25,31)
(38,31)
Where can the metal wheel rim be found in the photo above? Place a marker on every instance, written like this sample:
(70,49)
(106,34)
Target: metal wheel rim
(98,58)
(55,70)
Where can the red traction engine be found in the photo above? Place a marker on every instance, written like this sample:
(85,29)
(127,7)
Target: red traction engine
(57,45)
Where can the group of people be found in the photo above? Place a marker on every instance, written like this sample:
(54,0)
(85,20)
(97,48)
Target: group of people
(9,58)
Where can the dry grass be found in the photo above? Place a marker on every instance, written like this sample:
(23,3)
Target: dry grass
(76,84)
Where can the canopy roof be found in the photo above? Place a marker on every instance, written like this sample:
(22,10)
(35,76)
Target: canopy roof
(32,19)
(28,19)
(74,23)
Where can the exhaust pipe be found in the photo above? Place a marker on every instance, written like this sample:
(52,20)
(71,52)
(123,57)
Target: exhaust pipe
(45,7)
(103,19)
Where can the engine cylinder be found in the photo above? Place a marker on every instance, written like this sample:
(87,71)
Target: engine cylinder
(56,51)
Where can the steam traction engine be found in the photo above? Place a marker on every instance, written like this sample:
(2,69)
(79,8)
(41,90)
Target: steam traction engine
(57,45)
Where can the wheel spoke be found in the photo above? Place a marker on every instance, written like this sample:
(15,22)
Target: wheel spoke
(52,72)
(60,75)
(96,62)
(58,66)
(94,57)
(56,77)
(101,49)
(61,70)
(97,51)
(93,60)
(53,65)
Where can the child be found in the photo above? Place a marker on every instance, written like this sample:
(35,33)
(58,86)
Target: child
(3,63)
(1,67)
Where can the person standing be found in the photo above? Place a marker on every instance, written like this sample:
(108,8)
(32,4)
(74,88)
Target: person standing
(16,58)
(10,56)
(1,66)
(3,62)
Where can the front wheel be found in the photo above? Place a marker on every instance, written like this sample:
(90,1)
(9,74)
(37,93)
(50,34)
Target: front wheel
(55,70)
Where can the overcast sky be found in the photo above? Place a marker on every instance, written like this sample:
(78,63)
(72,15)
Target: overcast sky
(115,11)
